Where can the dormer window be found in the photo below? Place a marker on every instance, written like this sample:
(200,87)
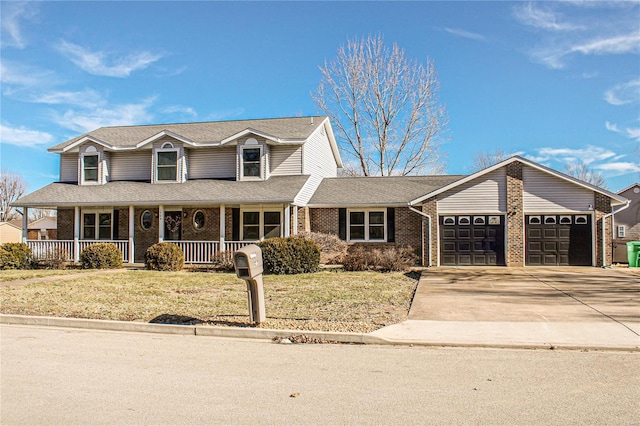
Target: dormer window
(90,168)
(252,162)
(167,163)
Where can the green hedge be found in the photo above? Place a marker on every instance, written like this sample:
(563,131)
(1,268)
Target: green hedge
(285,256)
(20,254)
(101,256)
(164,257)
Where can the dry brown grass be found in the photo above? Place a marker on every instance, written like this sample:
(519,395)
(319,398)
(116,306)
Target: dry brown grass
(25,274)
(332,301)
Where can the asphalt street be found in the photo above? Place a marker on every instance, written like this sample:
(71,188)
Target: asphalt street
(68,376)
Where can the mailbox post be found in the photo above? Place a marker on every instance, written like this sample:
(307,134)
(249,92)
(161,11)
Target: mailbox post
(248,264)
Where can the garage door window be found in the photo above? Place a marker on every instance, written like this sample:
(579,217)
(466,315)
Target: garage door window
(565,220)
(549,220)
(464,220)
(581,220)
(534,220)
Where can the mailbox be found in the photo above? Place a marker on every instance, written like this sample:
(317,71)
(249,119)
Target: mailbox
(248,262)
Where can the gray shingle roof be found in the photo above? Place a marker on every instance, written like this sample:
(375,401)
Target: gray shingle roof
(278,189)
(377,191)
(297,128)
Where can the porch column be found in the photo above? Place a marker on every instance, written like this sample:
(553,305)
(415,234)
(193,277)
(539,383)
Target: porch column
(160,224)
(25,224)
(76,234)
(132,223)
(287,220)
(222,227)
(295,220)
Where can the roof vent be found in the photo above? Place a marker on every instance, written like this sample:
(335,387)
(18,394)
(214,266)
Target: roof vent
(311,120)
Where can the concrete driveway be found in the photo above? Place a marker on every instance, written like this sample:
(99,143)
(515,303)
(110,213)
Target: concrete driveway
(566,294)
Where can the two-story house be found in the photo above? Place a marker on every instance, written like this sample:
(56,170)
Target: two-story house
(210,187)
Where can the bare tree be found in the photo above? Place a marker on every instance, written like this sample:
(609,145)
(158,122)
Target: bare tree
(12,187)
(35,214)
(482,160)
(582,171)
(384,107)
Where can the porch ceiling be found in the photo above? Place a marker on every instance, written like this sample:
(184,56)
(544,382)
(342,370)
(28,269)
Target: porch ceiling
(278,189)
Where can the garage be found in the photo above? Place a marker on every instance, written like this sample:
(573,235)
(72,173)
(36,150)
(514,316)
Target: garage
(558,240)
(472,240)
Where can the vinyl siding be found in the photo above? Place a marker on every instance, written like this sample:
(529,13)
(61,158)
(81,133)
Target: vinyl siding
(286,160)
(69,167)
(212,163)
(317,156)
(307,190)
(485,194)
(132,165)
(544,192)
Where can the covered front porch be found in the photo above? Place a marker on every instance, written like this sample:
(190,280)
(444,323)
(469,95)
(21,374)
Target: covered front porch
(201,232)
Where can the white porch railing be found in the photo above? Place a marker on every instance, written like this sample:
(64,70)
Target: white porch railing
(64,249)
(203,251)
(194,251)
(52,249)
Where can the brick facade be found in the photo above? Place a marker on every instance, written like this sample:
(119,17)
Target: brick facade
(123,224)
(515,250)
(209,232)
(602,207)
(325,221)
(144,238)
(65,224)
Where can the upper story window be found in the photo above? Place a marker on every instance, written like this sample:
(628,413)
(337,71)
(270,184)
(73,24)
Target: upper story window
(167,163)
(252,162)
(90,168)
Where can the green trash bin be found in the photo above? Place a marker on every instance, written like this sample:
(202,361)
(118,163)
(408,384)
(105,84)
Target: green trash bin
(633,252)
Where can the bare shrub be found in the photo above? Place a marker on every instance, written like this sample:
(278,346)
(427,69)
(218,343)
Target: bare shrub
(332,248)
(385,259)
(223,261)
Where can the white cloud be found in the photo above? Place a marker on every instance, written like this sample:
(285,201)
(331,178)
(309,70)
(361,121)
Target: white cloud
(629,132)
(21,136)
(180,110)
(87,98)
(15,77)
(586,155)
(104,63)
(618,168)
(116,115)
(13,15)
(624,93)
(465,34)
(546,19)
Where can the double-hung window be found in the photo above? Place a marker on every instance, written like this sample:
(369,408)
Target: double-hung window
(251,162)
(257,225)
(90,168)
(167,163)
(96,226)
(367,225)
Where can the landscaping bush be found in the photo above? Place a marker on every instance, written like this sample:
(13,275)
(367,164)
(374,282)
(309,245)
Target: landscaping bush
(21,253)
(289,255)
(7,261)
(386,259)
(223,261)
(101,256)
(164,257)
(55,258)
(332,248)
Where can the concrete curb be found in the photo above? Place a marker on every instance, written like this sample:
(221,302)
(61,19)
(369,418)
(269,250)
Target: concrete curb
(269,334)
(211,331)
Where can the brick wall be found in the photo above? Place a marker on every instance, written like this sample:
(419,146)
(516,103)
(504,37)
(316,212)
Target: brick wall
(211,229)
(123,224)
(602,205)
(409,230)
(324,220)
(515,253)
(65,224)
(144,238)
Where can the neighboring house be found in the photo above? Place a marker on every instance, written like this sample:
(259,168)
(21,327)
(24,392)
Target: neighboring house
(10,232)
(216,186)
(626,223)
(45,228)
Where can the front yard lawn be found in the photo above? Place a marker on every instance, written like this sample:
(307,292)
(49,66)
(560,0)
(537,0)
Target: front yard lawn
(329,301)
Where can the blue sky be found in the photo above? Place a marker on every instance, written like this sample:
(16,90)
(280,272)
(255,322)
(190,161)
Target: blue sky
(552,81)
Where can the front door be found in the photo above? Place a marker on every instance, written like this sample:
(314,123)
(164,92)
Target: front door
(172,226)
